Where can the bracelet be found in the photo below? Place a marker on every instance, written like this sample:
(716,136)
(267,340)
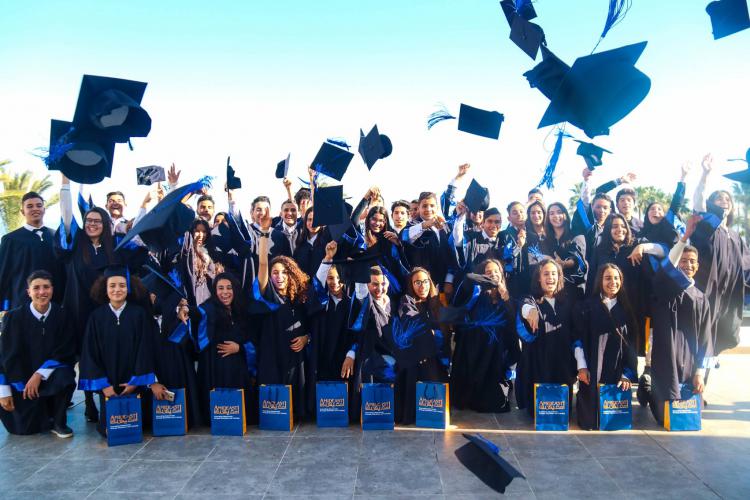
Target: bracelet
(265,235)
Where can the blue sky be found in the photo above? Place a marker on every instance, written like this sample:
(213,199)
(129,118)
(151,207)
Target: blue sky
(257,80)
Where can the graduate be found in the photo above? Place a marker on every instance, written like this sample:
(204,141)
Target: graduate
(117,356)
(417,343)
(536,223)
(487,347)
(660,224)
(513,241)
(311,244)
(25,250)
(284,330)
(474,247)
(195,265)
(681,318)
(37,355)
(566,249)
(545,329)
(603,353)
(288,223)
(399,215)
(227,346)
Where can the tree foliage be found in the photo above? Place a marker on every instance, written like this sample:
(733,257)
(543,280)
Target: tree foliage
(14,185)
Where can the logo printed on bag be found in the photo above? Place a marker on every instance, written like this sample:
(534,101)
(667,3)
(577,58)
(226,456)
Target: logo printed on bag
(616,405)
(684,404)
(274,405)
(382,406)
(332,402)
(130,418)
(431,403)
(552,405)
(226,410)
(168,409)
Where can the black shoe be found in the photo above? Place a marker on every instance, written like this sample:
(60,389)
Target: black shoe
(62,431)
(644,390)
(92,414)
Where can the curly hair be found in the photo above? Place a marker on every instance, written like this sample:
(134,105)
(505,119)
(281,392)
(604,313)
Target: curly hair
(536,285)
(137,293)
(299,282)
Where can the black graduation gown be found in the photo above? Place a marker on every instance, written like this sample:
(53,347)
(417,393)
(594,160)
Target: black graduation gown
(546,356)
(602,331)
(118,351)
(575,277)
(486,352)
(21,253)
(477,248)
(235,371)
(391,259)
(516,259)
(331,338)
(309,256)
(432,251)
(26,345)
(277,363)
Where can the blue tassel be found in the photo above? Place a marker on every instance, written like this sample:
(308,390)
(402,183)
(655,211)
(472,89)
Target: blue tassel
(548,179)
(175,277)
(338,141)
(488,319)
(438,116)
(404,331)
(206,181)
(617,11)
(303,181)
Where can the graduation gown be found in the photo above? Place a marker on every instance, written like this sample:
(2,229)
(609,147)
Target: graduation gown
(546,356)
(575,277)
(26,345)
(22,252)
(432,251)
(118,351)
(236,371)
(331,338)
(601,333)
(477,248)
(486,352)
(516,260)
(389,257)
(309,255)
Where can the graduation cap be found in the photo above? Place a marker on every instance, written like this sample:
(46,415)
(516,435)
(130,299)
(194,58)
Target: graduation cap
(482,457)
(329,206)
(591,153)
(332,160)
(81,155)
(521,8)
(742,176)
(282,168)
(374,146)
(149,175)
(471,120)
(728,17)
(595,93)
(117,270)
(162,227)
(233,182)
(112,106)
(477,198)
(160,285)
(527,36)
(357,268)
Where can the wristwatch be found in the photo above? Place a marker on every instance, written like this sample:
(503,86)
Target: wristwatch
(265,235)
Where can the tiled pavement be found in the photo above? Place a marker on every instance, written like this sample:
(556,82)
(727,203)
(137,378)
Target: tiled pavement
(407,463)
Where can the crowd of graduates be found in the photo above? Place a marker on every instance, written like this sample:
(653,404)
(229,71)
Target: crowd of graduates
(429,289)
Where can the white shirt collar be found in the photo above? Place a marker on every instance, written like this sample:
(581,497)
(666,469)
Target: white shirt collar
(551,301)
(39,315)
(313,237)
(32,228)
(289,229)
(610,303)
(118,311)
(335,299)
(487,236)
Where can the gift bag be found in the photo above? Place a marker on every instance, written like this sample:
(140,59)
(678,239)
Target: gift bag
(377,406)
(615,408)
(433,405)
(333,404)
(170,417)
(551,407)
(124,423)
(683,414)
(275,403)
(228,412)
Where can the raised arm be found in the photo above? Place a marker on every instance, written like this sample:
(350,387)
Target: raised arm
(263,244)
(448,198)
(699,200)
(679,192)
(66,203)
(628,178)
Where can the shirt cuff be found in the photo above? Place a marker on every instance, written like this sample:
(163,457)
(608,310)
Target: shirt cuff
(322,273)
(525,310)
(5,391)
(351,355)
(45,372)
(449,278)
(580,358)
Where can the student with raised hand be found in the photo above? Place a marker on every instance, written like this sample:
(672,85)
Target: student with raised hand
(567,250)
(195,265)
(284,330)
(602,349)
(204,208)
(117,355)
(288,221)
(513,241)
(546,335)
(475,246)
(311,244)
(25,250)
(371,199)
(625,200)
(590,215)
(661,224)
(681,319)
(487,347)
(448,198)
(37,355)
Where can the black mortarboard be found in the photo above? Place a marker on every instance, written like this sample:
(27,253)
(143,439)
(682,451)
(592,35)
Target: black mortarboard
(233,182)
(116,270)
(112,106)
(742,176)
(357,268)
(374,146)
(591,153)
(482,457)
(162,227)
(282,168)
(149,175)
(160,285)
(81,155)
(728,17)
(527,36)
(332,161)
(514,8)
(477,198)
(328,203)
(480,122)
(596,92)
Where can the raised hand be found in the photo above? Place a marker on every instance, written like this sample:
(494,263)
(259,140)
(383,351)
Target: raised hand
(331,248)
(685,170)
(173,175)
(707,163)
(462,169)
(628,178)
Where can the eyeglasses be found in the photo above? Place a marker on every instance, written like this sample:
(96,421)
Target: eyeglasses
(421,282)
(93,222)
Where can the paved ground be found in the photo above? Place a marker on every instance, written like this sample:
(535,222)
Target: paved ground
(406,463)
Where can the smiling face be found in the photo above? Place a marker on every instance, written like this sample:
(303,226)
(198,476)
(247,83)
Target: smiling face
(279,278)
(619,230)
(625,205)
(491,225)
(477,217)
(611,282)
(333,280)
(601,209)
(517,215)
(40,292)
(548,279)
(536,216)
(377,286)
(428,208)
(688,263)
(556,217)
(259,210)
(115,205)
(33,211)
(200,235)
(117,290)
(225,292)
(289,213)
(376,223)
(413,210)
(492,270)
(309,223)
(655,213)
(421,285)
(206,210)
(723,201)
(93,224)
(400,217)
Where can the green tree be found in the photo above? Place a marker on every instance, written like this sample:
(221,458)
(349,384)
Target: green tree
(741,195)
(576,190)
(14,186)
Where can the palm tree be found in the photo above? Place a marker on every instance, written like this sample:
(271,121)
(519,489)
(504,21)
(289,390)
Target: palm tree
(576,190)
(13,185)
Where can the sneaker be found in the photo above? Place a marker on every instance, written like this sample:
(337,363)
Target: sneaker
(62,431)
(644,389)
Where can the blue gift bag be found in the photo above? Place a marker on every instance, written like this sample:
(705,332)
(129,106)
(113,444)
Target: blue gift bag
(124,420)
(683,414)
(169,417)
(333,404)
(551,407)
(615,408)
(433,405)
(228,412)
(377,406)
(275,403)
